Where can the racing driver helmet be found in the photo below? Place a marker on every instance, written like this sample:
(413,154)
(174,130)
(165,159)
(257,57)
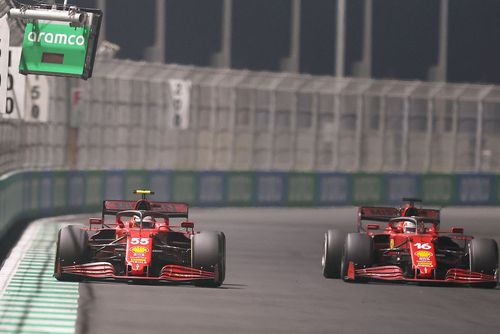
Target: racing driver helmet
(409,227)
(148,222)
(135,221)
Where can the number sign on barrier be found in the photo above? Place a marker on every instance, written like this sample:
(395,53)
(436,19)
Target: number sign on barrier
(16,86)
(4,61)
(180,91)
(37,99)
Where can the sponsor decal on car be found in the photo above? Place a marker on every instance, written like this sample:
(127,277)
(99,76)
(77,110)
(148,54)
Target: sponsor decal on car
(138,260)
(423,258)
(423,254)
(139,249)
(424,264)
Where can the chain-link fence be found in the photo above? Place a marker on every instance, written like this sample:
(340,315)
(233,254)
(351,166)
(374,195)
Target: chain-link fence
(242,120)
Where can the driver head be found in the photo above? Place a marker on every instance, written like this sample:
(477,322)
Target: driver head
(409,227)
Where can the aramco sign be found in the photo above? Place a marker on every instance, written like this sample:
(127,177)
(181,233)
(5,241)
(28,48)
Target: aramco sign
(58,38)
(54,48)
(59,48)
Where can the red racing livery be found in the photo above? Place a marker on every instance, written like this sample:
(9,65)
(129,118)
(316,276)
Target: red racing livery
(141,243)
(409,248)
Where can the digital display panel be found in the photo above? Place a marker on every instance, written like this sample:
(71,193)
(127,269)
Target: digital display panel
(52,58)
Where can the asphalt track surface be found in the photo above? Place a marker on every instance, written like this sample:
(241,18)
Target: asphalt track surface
(274,285)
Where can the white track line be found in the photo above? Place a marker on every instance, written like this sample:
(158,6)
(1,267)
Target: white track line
(10,265)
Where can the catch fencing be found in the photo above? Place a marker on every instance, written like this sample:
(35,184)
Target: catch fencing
(128,117)
(240,120)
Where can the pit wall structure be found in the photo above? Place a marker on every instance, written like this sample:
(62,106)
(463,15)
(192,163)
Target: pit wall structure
(28,195)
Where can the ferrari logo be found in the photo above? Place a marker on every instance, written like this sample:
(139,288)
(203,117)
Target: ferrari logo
(391,244)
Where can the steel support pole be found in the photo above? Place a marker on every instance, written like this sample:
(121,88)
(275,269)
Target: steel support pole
(340,40)
(160,30)
(293,61)
(101,4)
(222,58)
(366,61)
(439,72)
(227,17)
(156,53)
(443,41)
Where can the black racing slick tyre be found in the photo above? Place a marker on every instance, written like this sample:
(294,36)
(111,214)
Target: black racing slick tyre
(358,248)
(72,248)
(208,252)
(483,256)
(332,255)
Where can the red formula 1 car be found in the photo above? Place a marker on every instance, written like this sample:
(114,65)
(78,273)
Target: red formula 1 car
(409,248)
(141,243)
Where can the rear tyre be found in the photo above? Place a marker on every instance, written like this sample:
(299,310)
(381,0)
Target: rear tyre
(72,248)
(358,248)
(208,252)
(483,256)
(332,255)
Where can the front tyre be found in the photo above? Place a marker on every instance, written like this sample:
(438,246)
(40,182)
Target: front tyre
(208,252)
(72,248)
(358,248)
(332,255)
(483,256)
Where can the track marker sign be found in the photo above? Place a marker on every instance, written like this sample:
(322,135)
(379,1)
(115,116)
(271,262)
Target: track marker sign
(180,92)
(4,61)
(16,87)
(37,98)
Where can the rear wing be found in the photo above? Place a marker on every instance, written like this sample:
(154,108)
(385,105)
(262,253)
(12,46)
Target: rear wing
(172,209)
(384,214)
(377,213)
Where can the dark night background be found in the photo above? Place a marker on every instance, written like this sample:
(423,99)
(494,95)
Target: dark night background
(405,34)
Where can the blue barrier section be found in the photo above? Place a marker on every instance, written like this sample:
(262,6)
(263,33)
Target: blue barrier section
(211,186)
(333,189)
(76,190)
(271,189)
(32,194)
(398,186)
(476,189)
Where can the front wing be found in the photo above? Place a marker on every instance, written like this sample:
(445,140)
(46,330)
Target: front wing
(169,272)
(395,273)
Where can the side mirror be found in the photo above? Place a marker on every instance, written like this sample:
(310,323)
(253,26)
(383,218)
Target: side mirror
(187,224)
(458,230)
(372,226)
